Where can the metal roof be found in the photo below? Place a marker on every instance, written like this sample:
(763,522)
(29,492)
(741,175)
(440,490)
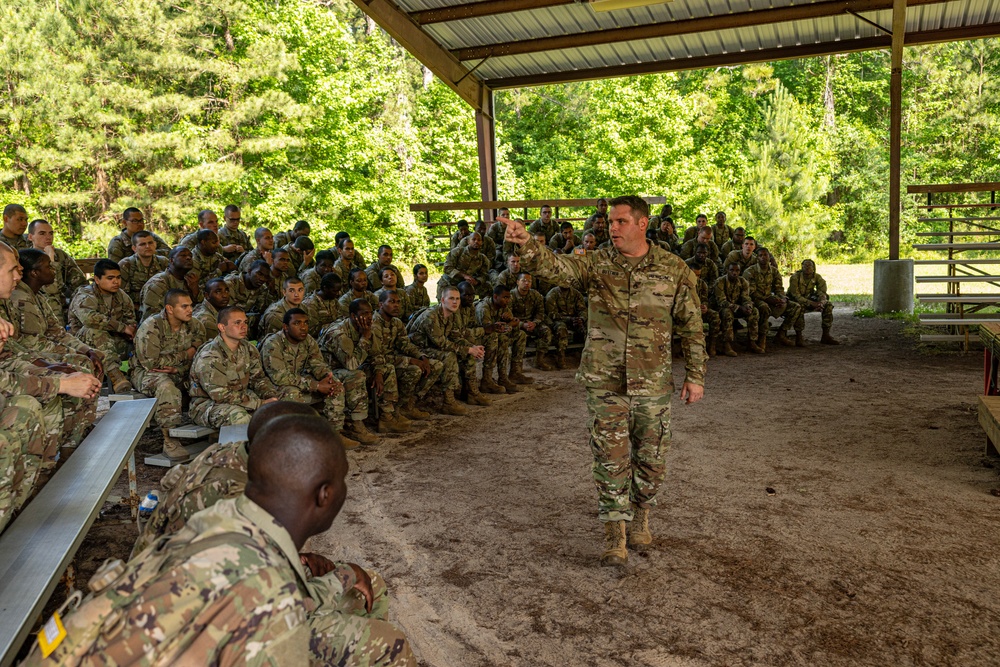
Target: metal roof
(508,43)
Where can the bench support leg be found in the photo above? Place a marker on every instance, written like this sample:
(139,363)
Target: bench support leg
(991,449)
(133,489)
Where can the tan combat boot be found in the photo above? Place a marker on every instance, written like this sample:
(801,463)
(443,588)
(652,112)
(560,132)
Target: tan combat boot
(473,397)
(561,362)
(357,430)
(639,537)
(509,386)
(615,552)
(754,347)
(799,340)
(450,406)
(762,339)
(390,423)
(517,374)
(541,364)
(119,383)
(727,349)
(782,339)
(411,411)
(827,339)
(173,448)
(710,348)
(347,443)
(488,386)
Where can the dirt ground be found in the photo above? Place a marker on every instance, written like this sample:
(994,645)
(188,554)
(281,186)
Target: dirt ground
(877,546)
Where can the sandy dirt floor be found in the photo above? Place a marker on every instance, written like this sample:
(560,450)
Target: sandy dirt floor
(878,545)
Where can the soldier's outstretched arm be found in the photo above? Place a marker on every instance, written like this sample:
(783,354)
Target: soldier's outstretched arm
(564,270)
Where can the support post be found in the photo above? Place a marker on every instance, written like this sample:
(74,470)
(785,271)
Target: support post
(895,122)
(486,142)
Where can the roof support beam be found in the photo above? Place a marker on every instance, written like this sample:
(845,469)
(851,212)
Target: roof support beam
(444,65)
(685,27)
(895,122)
(743,57)
(485,8)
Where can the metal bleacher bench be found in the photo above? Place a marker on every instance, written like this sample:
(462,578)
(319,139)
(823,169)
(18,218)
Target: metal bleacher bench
(40,544)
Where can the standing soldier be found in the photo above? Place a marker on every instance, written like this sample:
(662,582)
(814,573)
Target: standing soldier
(731,298)
(68,275)
(216,298)
(120,246)
(808,289)
(103,317)
(231,236)
(639,296)
(138,268)
(165,344)
(768,295)
(567,311)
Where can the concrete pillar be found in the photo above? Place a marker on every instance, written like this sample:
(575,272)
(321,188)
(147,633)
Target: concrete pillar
(893,291)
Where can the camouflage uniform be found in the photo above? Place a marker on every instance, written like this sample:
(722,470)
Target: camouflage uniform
(229,237)
(549,230)
(69,278)
(418,296)
(343,269)
(120,247)
(206,266)
(189,241)
(228,589)
(688,249)
(461,261)
(21,435)
(297,260)
(346,299)
(558,242)
(19,242)
(765,283)
(632,316)
(321,312)
(725,296)
(98,319)
(135,275)
(530,307)
(406,307)
(273,318)
(737,256)
(227,385)
(709,271)
(439,337)
(507,279)
(805,292)
(498,346)
(296,369)
(489,247)
(208,315)
(391,347)
(457,237)
(157,346)
(155,291)
(254,302)
(251,257)
(671,242)
(560,308)
(346,349)
(352,377)
(710,316)
(311,279)
(374,273)
(281,239)
(721,234)
(37,328)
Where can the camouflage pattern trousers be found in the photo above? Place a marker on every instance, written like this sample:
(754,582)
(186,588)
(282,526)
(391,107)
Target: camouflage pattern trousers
(714,322)
(727,317)
(116,349)
(450,367)
(21,438)
(412,381)
(206,412)
(629,437)
(563,334)
(167,389)
(498,347)
(333,406)
(355,392)
(791,311)
(345,634)
(542,335)
(827,317)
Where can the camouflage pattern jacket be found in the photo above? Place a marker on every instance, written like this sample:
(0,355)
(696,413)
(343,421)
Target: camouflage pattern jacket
(632,315)
(120,247)
(288,364)
(206,266)
(249,258)
(100,311)
(135,275)
(487,313)
(737,256)
(802,290)
(727,293)
(36,327)
(529,307)
(252,301)
(419,298)
(406,307)
(709,271)
(229,237)
(273,317)
(430,329)
(346,299)
(207,314)
(19,242)
(764,283)
(549,230)
(228,376)
(390,345)
(467,325)
(374,273)
(155,291)
(343,346)
(721,234)
(321,312)
(69,278)
(562,305)
(462,260)
(157,346)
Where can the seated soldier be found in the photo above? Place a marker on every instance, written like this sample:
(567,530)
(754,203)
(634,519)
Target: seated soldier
(588,244)
(68,276)
(293,292)
(768,296)
(544,225)
(416,373)
(165,345)
(281,270)
(564,242)
(357,283)
(600,211)
(264,241)
(528,307)
(382,262)
(734,243)
(721,232)
(15,221)
(132,222)
(103,317)
(433,330)
(294,363)
(300,229)
(251,291)
(235,572)
(233,241)
(312,276)
(495,312)
(35,325)
(415,291)
(666,235)
(178,275)
(468,263)
(206,260)
(508,277)
(207,219)
(20,432)
(468,328)
(808,289)
(599,228)
(388,280)
(461,231)
(139,267)
(704,236)
(700,222)
(700,264)
(300,253)
(745,256)
(347,345)
(488,247)
(216,298)
(323,306)
(566,309)
(227,380)
(349,259)
(709,315)
(731,298)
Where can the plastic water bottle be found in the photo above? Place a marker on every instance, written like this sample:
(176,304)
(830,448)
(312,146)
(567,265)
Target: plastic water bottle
(148,504)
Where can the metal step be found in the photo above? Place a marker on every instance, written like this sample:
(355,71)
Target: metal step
(947,338)
(957,279)
(959,298)
(958,321)
(956,246)
(940,262)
